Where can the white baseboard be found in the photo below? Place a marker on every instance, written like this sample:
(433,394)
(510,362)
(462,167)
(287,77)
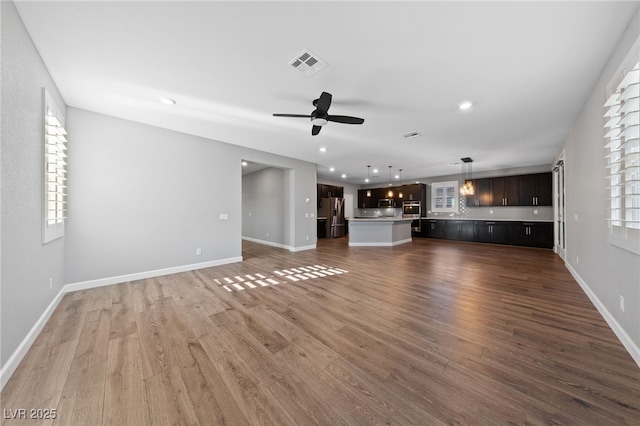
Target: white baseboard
(278,245)
(622,335)
(303,248)
(147,274)
(14,360)
(12,363)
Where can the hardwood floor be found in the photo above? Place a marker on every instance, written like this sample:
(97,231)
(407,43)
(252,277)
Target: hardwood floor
(427,333)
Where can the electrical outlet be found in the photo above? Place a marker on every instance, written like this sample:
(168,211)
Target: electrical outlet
(577,260)
(535,211)
(198,252)
(307,238)
(622,303)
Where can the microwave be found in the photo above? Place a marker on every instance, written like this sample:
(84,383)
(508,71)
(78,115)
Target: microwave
(385,203)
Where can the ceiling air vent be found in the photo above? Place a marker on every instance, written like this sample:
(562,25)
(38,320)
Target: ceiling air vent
(308,63)
(411,135)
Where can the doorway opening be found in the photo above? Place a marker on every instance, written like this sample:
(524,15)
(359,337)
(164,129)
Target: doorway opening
(560,231)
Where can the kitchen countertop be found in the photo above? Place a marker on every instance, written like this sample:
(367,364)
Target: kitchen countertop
(381,219)
(488,220)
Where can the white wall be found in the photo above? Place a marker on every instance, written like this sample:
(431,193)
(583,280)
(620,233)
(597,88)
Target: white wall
(26,264)
(605,271)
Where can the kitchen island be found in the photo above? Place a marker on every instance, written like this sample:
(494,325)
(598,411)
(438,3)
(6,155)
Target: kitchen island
(379,231)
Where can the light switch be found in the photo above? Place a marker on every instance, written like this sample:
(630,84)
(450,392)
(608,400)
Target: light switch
(224,216)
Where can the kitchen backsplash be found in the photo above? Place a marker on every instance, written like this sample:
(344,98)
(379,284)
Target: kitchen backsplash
(544,213)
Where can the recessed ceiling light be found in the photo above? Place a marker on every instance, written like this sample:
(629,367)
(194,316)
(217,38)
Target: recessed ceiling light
(167,101)
(375,170)
(465,105)
(366,180)
(344,176)
(332,169)
(323,149)
(244,164)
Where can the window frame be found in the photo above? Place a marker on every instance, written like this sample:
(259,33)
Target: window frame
(448,187)
(622,232)
(54,202)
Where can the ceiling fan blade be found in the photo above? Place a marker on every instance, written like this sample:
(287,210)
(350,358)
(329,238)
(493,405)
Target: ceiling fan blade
(315,130)
(345,119)
(292,115)
(324,102)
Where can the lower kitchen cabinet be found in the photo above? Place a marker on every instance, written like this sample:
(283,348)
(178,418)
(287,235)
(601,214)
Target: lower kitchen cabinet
(528,234)
(491,232)
(531,234)
(459,230)
(433,228)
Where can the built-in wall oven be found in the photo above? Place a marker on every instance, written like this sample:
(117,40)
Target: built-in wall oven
(413,209)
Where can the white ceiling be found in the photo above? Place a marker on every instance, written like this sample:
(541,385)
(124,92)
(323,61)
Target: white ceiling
(402,66)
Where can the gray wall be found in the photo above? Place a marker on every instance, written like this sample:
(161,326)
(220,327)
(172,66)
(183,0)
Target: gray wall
(26,264)
(607,270)
(140,198)
(143,198)
(263,205)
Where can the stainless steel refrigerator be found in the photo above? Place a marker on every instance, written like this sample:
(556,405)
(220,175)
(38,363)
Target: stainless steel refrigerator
(333,210)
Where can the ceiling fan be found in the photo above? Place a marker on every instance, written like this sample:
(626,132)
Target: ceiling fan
(319,117)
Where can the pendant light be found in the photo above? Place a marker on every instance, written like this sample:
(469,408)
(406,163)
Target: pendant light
(467,186)
(368,180)
(390,192)
(400,195)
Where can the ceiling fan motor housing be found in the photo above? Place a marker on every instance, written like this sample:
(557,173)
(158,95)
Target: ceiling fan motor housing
(318,120)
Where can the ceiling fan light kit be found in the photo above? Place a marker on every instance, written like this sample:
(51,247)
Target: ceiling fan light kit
(319,117)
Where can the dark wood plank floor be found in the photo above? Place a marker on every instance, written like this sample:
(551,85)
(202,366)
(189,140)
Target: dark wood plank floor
(427,333)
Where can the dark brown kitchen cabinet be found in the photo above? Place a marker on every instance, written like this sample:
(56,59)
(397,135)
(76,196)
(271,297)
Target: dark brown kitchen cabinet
(535,189)
(504,191)
(481,194)
(328,191)
(459,230)
(414,192)
(434,228)
(495,232)
(364,201)
(531,234)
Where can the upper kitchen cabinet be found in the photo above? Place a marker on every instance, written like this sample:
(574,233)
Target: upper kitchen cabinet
(367,199)
(328,191)
(536,189)
(504,191)
(481,194)
(414,192)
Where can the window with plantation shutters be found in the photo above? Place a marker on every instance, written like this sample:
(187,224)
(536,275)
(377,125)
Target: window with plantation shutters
(622,151)
(55,172)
